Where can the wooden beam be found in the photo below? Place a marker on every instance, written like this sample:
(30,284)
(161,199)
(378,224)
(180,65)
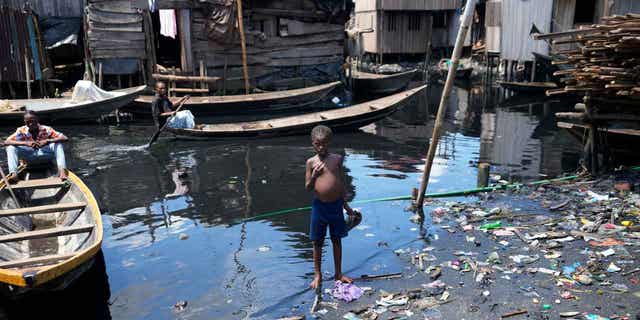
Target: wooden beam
(243,44)
(36,260)
(170,77)
(39,184)
(45,233)
(43,209)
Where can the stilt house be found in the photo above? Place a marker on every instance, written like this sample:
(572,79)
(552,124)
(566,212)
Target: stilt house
(406,26)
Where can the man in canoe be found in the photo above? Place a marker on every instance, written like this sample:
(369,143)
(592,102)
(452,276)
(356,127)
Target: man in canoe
(325,177)
(35,143)
(162,107)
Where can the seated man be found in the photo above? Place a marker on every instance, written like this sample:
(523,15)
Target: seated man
(162,107)
(35,143)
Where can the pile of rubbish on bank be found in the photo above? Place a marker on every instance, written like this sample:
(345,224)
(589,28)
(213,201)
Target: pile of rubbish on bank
(564,250)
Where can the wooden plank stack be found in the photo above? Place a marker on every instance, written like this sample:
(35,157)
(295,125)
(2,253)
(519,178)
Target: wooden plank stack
(605,62)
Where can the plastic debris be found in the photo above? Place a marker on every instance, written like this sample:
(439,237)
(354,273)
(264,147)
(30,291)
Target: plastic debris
(264,248)
(613,268)
(346,291)
(491,225)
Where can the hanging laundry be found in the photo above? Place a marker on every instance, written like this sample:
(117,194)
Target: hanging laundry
(168,27)
(152,5)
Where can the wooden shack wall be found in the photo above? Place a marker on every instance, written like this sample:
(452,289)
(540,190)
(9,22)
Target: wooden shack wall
(493,23)
(276,39)
(420,5)
(625,6)
(50,8)
(518,17)
(401,39)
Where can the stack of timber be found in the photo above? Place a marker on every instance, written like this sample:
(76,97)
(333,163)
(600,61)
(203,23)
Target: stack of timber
(605,70)
(606,62)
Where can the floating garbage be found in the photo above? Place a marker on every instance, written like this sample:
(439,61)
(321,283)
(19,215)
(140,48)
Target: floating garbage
(264,248)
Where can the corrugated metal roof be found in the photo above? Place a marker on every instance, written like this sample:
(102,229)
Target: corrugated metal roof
(14,36)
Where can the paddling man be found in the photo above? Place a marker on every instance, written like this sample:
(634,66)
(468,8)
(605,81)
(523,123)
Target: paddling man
(161,106)
(35,143)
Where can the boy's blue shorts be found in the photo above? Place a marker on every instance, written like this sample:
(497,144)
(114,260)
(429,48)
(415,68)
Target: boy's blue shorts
(329,214)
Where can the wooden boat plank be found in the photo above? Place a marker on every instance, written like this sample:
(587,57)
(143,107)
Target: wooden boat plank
(38,184)
(43,209)
(45,233)
(35,260)
(249,97)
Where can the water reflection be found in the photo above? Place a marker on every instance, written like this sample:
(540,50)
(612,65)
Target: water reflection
(202,189)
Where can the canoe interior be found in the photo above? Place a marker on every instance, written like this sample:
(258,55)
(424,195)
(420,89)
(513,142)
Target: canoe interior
(57,223)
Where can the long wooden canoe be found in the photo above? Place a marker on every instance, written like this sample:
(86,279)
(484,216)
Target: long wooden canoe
(371,83)
(343,119)
(62,110)
(527,87)
(242,104)
(51,239)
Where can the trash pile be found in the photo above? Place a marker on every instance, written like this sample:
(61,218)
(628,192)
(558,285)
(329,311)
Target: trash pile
(564,250)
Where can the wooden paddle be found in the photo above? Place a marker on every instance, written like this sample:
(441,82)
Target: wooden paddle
(8,185)
(157,134)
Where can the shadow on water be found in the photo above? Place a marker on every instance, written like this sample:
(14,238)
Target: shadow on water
(171,212)
(86,298)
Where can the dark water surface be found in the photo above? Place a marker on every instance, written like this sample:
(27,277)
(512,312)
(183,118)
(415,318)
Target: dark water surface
(261,269)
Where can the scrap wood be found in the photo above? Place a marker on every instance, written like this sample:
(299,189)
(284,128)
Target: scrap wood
(380,276)
(514,313)
(605,62)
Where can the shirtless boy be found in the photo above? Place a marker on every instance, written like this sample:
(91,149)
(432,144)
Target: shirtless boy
(325,176)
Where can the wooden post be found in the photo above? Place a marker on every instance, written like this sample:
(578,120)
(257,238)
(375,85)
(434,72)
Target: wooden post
(243,44)
(455,60)
(224,75)
(483,175)
(533,71)
(28,75)
(100,75)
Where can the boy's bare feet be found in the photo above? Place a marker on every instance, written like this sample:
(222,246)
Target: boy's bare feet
(315,284)
(344,279)
(63,174)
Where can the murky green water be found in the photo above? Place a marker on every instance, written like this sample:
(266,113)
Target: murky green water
(202,189)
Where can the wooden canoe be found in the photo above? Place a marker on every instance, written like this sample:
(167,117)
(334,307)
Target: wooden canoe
(242,104)
(61,110)
(343,119)
(377,84)
(461,73)
(527,87)
(52,238)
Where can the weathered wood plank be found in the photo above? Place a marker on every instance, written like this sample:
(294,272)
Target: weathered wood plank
(38,184)
(33,261)
(100,35)
(289,27)
(45,233)
(60,207)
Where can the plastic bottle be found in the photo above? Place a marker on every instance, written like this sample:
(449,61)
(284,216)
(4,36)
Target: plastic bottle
(491,225)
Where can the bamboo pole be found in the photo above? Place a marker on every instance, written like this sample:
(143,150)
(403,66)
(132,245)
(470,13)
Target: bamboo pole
(455,60)
(243,44)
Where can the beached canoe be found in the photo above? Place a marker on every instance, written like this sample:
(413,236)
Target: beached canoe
(527,87)
(377,84)
(52,238)
(243,104)
(64,110)
(343,119)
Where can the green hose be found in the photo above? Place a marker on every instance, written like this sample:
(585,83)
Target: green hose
(430,195)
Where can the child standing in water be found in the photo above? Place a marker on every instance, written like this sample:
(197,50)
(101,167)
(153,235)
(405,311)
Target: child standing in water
(325,176)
